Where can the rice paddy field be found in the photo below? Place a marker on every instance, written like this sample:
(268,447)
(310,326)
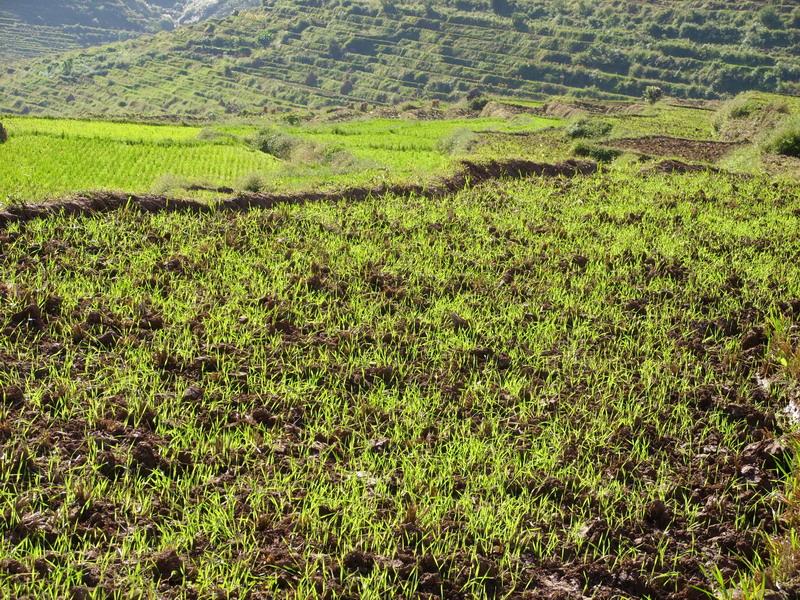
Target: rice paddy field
(557,387)
(47,158)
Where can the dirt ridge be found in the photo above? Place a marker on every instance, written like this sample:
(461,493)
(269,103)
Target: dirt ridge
(470,173)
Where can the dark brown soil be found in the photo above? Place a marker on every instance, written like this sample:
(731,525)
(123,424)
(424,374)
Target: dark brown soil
(676,166)
(656,145)
(469,174)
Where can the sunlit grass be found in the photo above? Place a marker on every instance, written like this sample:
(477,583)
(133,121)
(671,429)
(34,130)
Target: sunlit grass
(496,379)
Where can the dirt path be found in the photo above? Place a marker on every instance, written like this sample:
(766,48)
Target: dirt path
(469,174)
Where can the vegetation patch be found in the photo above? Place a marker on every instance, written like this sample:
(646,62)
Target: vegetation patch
(460,141)
(562,377)
(785,139)
(596,152)
(301,53)
(588,128)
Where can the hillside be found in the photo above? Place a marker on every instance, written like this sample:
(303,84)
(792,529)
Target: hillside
(32,28)
(310,53)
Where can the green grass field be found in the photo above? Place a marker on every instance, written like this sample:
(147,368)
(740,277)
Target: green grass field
(50,158)
(533,388)
(540,387)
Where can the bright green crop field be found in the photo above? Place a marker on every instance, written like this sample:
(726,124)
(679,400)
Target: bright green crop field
(51,158)
(534,389)
(48,157)
(543,387)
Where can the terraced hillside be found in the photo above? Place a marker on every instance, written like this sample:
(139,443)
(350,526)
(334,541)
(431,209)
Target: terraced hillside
(30,29)
(45,27)
(308,53)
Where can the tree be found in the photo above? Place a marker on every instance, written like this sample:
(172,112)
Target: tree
(500,7)
(264,38)
(653,93)
(795,18)
(3,134)
(334,49)
(770,18)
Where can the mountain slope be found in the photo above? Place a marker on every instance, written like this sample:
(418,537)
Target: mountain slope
(307,52)
(34,28)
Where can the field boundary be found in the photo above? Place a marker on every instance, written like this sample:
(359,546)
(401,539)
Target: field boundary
(469,173)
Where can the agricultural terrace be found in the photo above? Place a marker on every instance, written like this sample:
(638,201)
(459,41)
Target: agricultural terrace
(541,388)
(546,387)
(50,158)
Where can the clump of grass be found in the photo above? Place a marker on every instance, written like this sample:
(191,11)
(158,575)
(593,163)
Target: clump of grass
(169,182)
(252,182)
(340,160)
(209,134)
(598,153)
(785,139)
(588,128)
(746,106)
(459,141)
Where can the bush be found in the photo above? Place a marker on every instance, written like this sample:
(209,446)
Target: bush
(210,134)
(588,128)
(3,134)
(770,18)
(744,106)
(478,103)
(252,182)
(275,143)
(785,139)
(653,93)
(598,153)
(518,22)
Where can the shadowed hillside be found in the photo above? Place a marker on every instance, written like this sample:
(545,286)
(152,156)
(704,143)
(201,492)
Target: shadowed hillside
(33,28)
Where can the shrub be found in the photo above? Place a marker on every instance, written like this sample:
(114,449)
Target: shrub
(264,38)
(785,139)
(210,134)
(752,108)
(500,7)
(275,143)
(653,93)
(252,182)
(599,153)
(770,18)
(588,128)
(518,22)
(741,108)
(168,182)
(478,103)
(3,134)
